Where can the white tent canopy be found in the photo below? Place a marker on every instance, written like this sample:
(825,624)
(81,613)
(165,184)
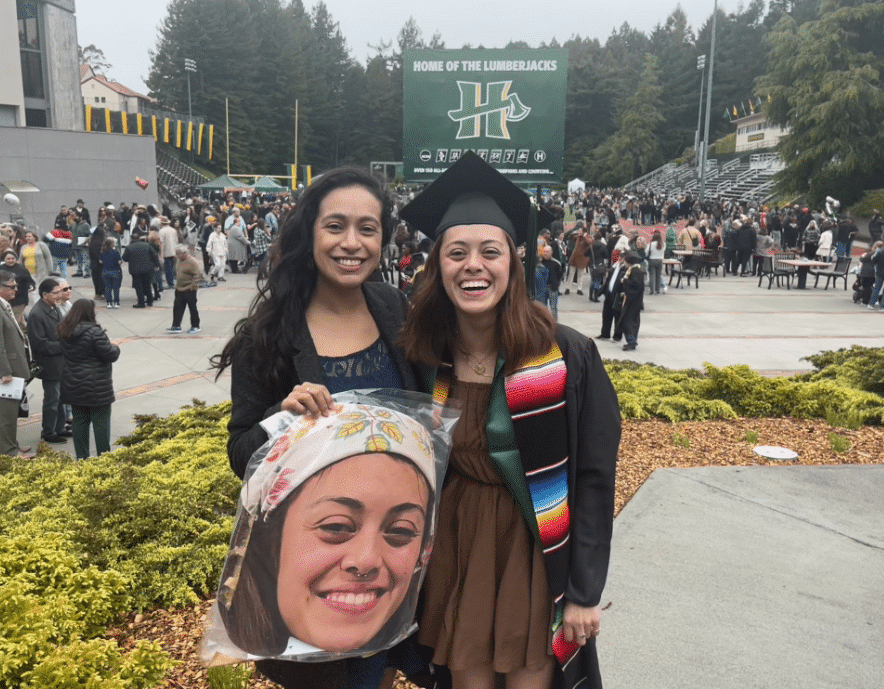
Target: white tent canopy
(576,185)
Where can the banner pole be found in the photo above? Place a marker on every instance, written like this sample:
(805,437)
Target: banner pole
(295,171)
(227,130)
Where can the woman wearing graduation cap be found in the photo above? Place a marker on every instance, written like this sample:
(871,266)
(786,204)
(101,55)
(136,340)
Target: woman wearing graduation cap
(525,521)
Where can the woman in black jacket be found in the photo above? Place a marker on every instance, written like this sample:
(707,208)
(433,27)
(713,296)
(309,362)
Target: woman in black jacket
(86,383)
(319,325)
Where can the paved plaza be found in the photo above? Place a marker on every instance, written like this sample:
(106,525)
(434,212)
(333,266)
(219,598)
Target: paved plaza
(727,320)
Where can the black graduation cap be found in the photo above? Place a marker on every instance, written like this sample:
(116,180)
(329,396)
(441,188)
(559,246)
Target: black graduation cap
(472,192)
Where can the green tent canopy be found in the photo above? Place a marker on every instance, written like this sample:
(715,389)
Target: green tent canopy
(225,183)
(268,185)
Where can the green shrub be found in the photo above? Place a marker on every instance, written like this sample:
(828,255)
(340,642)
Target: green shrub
(858,367)
(752,437)
(99,664)
(872,199)
(229,676)
(680,440)
(50,601)
(725,145)
(846,389)
(838,443)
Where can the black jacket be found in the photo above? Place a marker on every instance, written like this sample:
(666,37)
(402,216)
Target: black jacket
(253,401)
(88,355)
(141,257)
(618,283)
(43,336)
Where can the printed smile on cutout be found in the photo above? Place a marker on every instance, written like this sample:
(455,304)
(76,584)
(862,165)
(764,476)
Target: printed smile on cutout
(351,598)
(474,285)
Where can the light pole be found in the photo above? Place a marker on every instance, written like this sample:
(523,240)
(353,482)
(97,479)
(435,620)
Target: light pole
(189,66)
(708,104)
(701,65)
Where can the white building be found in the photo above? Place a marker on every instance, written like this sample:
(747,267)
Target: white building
(100,92)
(755,131)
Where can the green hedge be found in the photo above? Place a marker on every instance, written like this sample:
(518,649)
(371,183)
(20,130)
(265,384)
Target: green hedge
(847,386)
(148,524)
(82,542)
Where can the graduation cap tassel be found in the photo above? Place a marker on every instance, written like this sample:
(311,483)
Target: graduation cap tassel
(531,249)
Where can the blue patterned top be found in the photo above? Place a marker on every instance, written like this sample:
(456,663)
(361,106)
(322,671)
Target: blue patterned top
(373,367)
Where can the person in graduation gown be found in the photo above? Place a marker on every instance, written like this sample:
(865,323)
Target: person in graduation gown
(526,514)
(633,291)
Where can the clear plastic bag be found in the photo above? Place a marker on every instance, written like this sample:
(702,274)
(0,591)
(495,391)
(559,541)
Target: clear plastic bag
(333,532)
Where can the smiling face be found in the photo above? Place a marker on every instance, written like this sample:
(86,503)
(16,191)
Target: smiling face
(350,544)
(474,264)
(347,238)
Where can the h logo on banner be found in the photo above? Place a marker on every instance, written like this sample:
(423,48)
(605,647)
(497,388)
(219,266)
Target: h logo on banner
(498,108)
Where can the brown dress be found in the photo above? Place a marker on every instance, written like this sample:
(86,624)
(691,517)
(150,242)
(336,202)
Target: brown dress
(487,596)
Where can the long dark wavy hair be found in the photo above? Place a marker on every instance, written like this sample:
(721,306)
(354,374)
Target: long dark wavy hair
(264,340)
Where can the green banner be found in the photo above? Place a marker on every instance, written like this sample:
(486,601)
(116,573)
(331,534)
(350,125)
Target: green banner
(506,105)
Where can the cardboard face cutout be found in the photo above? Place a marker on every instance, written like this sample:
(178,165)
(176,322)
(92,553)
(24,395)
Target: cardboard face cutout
(333,532)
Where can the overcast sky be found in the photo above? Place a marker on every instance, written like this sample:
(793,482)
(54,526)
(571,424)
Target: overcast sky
(126,29)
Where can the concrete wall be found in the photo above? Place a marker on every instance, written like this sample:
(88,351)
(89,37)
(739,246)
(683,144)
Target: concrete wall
(12,99)
(63,66)
(67,166)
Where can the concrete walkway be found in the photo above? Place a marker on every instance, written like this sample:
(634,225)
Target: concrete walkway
(735,577)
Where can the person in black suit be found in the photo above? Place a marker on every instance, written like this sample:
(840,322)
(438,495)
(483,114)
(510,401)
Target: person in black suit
(612,289)
(43,335)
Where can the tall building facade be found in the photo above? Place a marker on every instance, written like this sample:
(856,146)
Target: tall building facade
(40,80)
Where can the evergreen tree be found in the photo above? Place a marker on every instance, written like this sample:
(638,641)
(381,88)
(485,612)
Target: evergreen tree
(674,46)
(825,82)
(635,148)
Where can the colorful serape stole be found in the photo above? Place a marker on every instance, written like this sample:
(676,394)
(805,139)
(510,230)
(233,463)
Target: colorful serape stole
(535,395)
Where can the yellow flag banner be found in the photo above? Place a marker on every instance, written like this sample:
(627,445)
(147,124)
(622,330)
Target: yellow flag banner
(211,135)
(107,122)
(199,140)
(178,134)
(189,135)
(166,130)
(139,124)
(294,173)
(124,120)
(153,121)
(88,118)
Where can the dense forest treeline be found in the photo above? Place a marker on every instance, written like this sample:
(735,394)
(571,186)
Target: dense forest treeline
(632,100)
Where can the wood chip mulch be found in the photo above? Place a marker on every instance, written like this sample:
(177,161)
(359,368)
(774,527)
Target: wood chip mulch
(646,446)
